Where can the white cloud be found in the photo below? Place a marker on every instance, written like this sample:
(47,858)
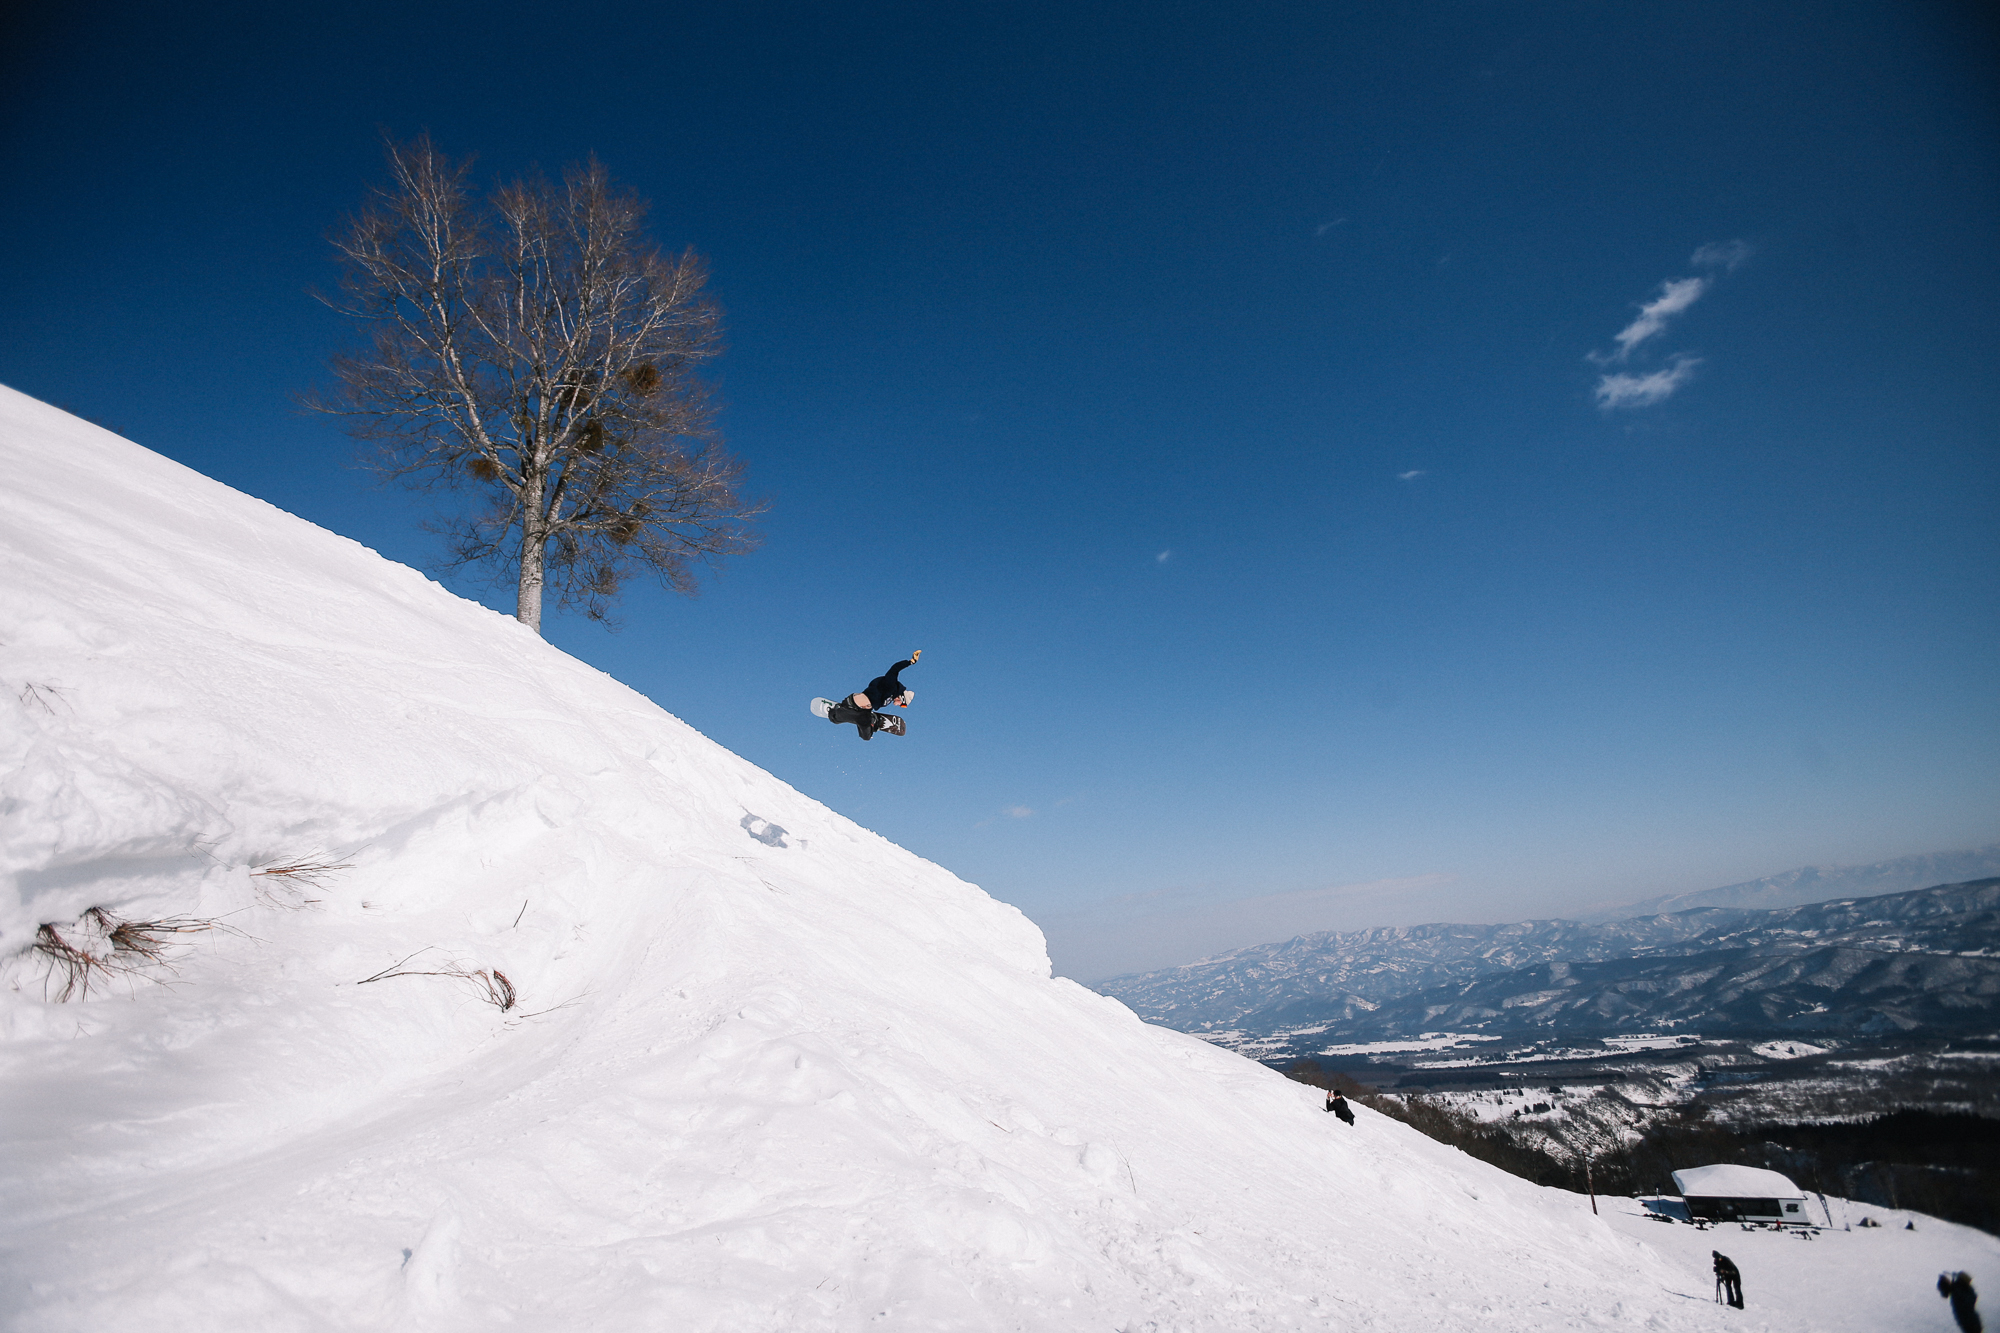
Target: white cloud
(1325,227)
(1017,812)
(1615,391)
(1161,558)
(1411,476)
(1676,295)
(1725,255)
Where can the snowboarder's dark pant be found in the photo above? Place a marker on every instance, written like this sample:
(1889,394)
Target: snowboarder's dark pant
(1730,1289)
(862,718)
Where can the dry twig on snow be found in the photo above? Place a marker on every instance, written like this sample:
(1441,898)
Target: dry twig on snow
(40,695)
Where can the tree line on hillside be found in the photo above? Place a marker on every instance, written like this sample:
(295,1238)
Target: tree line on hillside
(1946,1164)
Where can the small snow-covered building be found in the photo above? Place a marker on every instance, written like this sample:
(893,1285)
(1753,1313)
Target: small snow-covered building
(1741,1194)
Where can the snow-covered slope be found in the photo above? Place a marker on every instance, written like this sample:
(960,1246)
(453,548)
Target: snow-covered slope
(767,1071)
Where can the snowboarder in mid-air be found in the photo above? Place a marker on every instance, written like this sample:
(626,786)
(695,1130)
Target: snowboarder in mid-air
(859,707)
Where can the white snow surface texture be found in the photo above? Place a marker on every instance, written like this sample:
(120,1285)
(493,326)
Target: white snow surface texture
(755,1080)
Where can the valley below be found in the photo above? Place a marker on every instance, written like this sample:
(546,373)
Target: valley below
(1852,1044)
(1896,1122)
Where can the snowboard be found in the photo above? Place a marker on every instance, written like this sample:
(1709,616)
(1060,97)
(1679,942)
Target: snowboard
(847,714)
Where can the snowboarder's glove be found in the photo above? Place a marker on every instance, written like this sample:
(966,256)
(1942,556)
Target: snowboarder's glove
(915,655)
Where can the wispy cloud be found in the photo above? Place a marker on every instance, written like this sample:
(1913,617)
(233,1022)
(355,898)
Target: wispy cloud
(1676,295)
(1017,812)
(1621,390)
(1411,476)
(1725,255)
(1161,558)
(1325,227)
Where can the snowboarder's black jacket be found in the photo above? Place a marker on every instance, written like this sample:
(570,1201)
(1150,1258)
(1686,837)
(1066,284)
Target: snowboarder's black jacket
(883,689)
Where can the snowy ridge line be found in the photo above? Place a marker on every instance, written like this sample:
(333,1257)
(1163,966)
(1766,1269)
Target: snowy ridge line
(1898,961)
(1813,884)
(816,1086)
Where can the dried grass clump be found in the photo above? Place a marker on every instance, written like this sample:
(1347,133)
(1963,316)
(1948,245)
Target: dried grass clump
(493,986)
(499,992)
(75,967)
(147,939)
(102,945)
(286,883)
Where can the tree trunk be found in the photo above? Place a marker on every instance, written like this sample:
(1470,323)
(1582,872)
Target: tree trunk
(528,606)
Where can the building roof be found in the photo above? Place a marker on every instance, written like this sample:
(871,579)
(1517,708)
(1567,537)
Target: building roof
(1734,1182)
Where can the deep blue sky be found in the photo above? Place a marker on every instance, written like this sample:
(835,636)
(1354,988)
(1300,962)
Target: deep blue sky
(1207,388)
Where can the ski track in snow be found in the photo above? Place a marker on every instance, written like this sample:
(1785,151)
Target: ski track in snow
(749,1086)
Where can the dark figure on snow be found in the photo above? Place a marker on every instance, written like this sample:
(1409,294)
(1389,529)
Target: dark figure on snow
(887,688)
(1728,1282)
(1338,1105)
(1957,1288)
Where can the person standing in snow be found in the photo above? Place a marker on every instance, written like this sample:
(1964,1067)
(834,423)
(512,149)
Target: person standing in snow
(1728,1282)
(887,688)
(1957,1288)
(1338,1105)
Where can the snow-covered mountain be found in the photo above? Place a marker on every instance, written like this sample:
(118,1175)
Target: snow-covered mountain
(1925,958)
(1814,884)
(425,978)
(1335,975)
(1886,973)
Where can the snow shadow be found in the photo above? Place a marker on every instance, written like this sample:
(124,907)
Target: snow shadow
(771,835)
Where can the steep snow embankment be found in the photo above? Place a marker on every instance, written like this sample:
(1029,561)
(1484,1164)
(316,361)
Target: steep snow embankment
(755,1080)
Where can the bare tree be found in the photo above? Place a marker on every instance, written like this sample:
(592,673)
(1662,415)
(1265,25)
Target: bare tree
(536,347)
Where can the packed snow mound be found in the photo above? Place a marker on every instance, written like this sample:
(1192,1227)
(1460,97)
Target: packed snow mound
(764,1070)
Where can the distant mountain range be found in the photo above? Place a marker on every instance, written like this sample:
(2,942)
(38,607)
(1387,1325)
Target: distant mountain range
(1815,884)
(1927,958)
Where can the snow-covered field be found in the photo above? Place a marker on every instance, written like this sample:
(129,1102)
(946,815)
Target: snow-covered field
(767,1071)
(1651,1041)
(1849,1279)
(1429,1041)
